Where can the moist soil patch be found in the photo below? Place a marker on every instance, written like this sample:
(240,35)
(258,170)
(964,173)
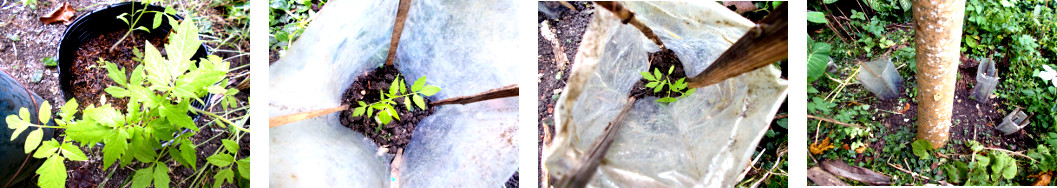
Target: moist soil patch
(367,88)
(89,77)
(568,28)
(662,61)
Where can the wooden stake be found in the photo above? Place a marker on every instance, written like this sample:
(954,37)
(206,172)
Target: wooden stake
(763,45)
(286,119)
(582,173)
(503,92)
(398,29)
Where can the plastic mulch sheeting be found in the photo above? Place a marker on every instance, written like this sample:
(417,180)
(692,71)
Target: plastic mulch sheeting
(702,140)
(462,47)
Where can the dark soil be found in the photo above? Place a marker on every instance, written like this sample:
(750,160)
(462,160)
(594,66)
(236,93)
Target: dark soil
(367,88)
(569,28)
(971,120)
(661,60)
(89,77)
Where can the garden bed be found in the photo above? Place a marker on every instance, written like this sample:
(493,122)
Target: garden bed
(89,76)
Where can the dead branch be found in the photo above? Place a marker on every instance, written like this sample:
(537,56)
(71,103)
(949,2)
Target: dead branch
(763,45)
(582,173)
(503,92)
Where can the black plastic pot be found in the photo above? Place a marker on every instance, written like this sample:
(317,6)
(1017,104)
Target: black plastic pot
(13,96)
(104,20)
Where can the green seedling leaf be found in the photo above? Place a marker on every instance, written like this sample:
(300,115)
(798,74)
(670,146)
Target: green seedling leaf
(670,69)
(419,101)
(161,175)
(142,177)
(689,92)
(430,90)
(87,132)
(418,84)
(187,150)
(225,175)
(116,92)
(33,140)
(392,112)
(69,109)
(157,20)
(114,147)
(244,167)
(383,117)
(358,111)
(231,146)
(652,84)
(116,74)
(658,88)
(657,74)
(52,173)
(46,149)
(221,160)
(407,103)
(647,76)
(45,113)
(72,152)
(394,87)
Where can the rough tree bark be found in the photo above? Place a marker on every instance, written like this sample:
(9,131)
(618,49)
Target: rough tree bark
(938,26)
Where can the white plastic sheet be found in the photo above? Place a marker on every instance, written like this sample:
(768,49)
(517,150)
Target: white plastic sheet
(702,140)
(462,47)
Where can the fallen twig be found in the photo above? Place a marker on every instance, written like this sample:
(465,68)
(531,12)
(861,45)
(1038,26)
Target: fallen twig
(834,121)
(916,174)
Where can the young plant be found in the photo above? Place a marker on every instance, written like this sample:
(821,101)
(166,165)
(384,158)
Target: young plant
(159,94)
(137,14)
(226,160)
(386,111)
(658,81)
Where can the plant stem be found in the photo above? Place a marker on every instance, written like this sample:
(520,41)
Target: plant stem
(225,120)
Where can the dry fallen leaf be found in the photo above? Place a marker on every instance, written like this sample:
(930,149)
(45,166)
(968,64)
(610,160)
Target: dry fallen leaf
(740,6)
(63,14)
(1041,179)
(819,147)
(860,149)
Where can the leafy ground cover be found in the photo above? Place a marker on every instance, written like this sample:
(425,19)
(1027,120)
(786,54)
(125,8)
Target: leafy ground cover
(29,46)
(852,125)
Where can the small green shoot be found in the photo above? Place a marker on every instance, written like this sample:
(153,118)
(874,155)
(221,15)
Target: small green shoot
(397,90)
(658,81)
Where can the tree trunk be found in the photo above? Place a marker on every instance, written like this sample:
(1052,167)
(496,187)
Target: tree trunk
(938,25)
